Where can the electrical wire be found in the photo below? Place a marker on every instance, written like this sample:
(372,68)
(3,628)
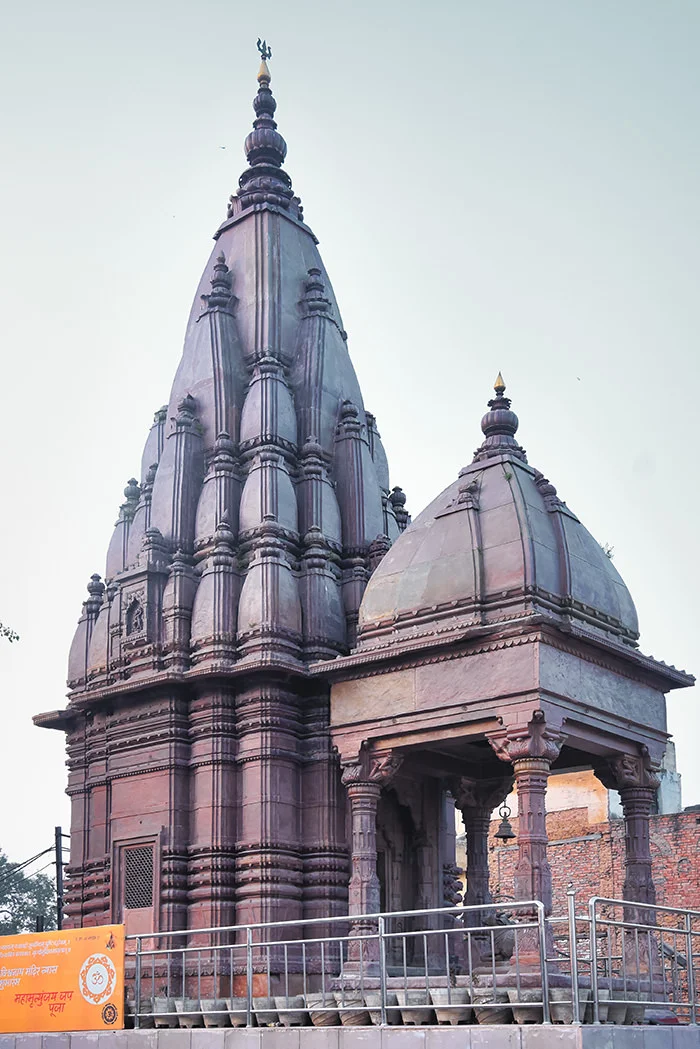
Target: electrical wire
(15,868)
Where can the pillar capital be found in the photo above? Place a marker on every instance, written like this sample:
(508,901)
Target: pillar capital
(631,770)
(377,769)
(528,741)
(480,795)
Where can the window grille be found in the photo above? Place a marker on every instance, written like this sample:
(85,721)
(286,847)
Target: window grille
(138,877)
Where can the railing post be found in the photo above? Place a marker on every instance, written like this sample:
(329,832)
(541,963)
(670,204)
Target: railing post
(594,960)
(542,929)
(691,969)
(137,985)
(382,968)
(573,951)
(249,976)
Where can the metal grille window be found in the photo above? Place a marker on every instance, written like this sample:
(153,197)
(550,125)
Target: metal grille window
(138,877)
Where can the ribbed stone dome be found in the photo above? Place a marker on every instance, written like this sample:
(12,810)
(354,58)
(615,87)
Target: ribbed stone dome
(497,545)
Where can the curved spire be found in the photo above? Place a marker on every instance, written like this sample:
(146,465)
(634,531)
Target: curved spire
(264,182)
(499,427)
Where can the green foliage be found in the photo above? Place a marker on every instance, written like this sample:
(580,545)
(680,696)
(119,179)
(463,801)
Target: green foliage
(22,898)
(9,633)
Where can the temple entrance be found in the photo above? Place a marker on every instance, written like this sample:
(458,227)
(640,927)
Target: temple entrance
(403,865)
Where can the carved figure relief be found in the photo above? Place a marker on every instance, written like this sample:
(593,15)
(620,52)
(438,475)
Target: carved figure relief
(135,622)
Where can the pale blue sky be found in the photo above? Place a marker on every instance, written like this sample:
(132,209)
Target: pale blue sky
(505,184)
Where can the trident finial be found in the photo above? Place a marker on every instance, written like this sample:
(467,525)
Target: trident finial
(265,51)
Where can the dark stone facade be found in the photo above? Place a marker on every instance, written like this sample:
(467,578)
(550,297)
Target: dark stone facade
(239,557)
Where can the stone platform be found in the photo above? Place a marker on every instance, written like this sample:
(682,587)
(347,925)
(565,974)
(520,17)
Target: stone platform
(488,1036)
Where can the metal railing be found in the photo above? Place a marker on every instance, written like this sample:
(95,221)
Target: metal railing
(379,965)
(643,952)
(492,962)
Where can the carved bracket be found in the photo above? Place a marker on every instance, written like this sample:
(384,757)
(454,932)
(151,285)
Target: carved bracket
(372,768)
(630,770)
(484,795)
(533,740)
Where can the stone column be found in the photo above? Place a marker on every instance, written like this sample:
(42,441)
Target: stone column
(635,776)
(637,781)
(531,748)
(363,780)
(476,800)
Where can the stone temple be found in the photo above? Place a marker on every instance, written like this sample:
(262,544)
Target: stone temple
(283,688)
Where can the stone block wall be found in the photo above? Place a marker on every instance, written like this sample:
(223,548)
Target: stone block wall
(490,1036)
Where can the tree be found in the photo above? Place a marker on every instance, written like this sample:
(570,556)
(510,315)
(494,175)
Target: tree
(8,632)
(22,898)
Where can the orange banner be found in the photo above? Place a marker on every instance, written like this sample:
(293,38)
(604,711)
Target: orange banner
(62,981)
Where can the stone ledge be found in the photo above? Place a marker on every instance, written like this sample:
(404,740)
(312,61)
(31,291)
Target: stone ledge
(491,1036)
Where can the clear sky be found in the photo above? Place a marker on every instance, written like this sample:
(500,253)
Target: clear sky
(499,184)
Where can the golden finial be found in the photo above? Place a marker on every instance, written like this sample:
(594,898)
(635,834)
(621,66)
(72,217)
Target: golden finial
(499,385)
(265,53)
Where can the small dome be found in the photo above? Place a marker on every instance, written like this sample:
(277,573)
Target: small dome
(497,545)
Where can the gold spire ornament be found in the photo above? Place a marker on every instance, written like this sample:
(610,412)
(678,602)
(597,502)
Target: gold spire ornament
(499,385)
(265,53)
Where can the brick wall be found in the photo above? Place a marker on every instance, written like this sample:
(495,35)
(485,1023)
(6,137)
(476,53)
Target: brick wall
(592,857)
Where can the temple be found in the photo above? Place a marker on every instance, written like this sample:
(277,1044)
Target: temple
(283,689)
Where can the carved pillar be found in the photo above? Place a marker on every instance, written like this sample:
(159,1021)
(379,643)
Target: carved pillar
(476,800)
(637,781)
(531,749)
(364,780)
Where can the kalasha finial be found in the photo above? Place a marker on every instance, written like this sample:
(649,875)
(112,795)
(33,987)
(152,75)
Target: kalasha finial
(499,427)
(265,181)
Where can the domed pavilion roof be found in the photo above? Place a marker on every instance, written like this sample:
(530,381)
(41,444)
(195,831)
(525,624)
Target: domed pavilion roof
(498,545)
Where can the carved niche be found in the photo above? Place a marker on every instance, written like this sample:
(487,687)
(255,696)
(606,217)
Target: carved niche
(134,624)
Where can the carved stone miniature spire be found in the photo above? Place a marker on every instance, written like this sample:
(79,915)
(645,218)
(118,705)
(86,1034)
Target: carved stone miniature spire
(264,182)
(398,501)
(499,427)
(96,589)
(221,283)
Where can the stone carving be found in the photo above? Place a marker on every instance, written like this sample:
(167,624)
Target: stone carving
(533,740)
(452,884)
(469,495)
(379,769)
(551,500)
(134,622)
(398,501)
(634,771)
(482,795)
(221,283)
